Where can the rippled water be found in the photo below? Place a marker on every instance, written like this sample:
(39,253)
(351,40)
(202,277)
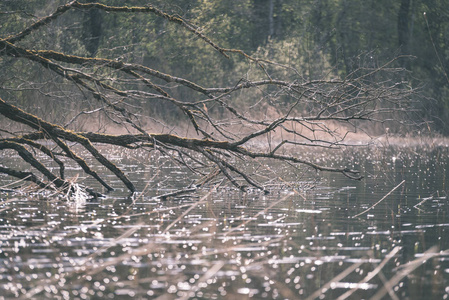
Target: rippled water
(301,241)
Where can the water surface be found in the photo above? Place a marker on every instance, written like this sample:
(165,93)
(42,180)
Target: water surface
(301,241)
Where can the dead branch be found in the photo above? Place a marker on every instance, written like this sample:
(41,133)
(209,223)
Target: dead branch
(231,122)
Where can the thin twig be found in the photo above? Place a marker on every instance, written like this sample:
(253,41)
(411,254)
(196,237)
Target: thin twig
(383,198)
(175,193)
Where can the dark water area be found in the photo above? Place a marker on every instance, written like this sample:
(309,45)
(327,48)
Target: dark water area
(304,240)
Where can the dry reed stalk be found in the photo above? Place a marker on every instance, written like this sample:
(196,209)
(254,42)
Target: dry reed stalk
(6,202)
(373,273)
(258,214)
(192,206)
(15,182)
(421,202)
(337,278)
(406,270)
(209,273)
(383,198)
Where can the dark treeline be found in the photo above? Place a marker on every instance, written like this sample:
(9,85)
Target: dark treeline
(320,38)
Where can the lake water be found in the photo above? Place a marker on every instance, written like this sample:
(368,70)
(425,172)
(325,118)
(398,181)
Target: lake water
(304,240)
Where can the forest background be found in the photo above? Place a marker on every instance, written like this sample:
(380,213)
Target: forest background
(320,38)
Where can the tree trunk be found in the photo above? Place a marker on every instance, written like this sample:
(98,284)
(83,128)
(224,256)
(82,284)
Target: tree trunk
(403,30)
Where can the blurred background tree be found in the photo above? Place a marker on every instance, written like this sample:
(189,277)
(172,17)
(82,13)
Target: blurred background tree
(318,37)
(257,78)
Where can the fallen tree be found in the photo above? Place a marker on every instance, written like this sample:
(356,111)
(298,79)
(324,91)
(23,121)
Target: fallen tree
(284,111)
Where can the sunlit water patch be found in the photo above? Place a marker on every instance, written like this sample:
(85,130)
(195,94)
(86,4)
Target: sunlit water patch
(225,244)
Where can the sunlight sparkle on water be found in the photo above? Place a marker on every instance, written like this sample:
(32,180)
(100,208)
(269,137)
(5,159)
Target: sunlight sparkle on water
(232,243)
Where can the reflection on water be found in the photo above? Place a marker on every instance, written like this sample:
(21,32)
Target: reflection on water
(299,242)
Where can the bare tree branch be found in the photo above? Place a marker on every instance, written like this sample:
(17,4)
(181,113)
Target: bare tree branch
(264,116)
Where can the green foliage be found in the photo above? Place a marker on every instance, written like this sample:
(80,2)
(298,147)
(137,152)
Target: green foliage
(320,38)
